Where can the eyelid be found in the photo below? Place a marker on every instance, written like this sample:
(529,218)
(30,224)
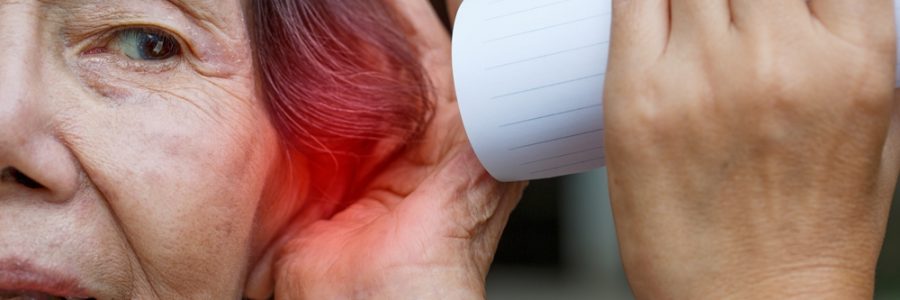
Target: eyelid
(102,37)
(108,55)
(209,53)
(128,36)
(183,44)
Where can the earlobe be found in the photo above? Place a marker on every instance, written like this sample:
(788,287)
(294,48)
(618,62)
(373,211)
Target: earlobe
(284,205)
(260,284)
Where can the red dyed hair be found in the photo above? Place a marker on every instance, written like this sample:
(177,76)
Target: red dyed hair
(338,76)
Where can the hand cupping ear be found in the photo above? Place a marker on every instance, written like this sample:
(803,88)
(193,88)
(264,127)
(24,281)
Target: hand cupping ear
(428,223)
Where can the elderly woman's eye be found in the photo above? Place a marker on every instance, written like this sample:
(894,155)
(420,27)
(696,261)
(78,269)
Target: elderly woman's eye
(146,44)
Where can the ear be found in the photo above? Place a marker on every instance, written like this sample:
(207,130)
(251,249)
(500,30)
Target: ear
(260,285)
(283,208)
(261,279)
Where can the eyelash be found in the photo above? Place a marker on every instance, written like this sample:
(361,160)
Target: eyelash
(144,48)
(149,42)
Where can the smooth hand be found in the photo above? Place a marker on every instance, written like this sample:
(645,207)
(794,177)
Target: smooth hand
(750,145)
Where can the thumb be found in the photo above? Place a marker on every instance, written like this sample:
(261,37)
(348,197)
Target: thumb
(464,202)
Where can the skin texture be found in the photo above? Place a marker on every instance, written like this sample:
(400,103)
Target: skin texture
(750,146)
(152,172)
(155,177)
(427,227)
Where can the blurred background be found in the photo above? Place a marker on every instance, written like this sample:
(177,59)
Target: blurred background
(561,244)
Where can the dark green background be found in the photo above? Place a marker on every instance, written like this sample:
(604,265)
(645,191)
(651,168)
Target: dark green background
(532,242)
(887,285)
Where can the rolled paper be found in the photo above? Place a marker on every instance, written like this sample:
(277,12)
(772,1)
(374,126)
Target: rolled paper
(529,81)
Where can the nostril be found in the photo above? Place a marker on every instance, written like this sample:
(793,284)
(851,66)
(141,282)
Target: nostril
(25,180)
(19,177)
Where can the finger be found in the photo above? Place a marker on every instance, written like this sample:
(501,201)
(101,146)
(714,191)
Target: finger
(452,8)
(856,19)
(429,33)
(771,14)
(432,43)
(640,31)
(461,191)
(690,17)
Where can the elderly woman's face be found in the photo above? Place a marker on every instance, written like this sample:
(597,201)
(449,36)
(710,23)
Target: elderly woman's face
(134,149)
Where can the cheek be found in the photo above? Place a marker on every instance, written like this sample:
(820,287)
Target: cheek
(183,171)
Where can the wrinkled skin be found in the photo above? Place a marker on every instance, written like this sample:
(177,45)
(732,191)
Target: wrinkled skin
(428,226)
(151,173)
(149,179)
(750,146)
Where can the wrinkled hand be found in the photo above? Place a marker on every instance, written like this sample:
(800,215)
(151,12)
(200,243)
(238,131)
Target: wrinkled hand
(428,226)
(750,145)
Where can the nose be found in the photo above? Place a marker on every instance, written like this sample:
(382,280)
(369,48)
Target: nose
(33,159)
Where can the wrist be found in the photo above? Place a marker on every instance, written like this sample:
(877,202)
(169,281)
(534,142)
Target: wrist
(770,269)
(428,283)
(788,282)
(817,282)
(398,283)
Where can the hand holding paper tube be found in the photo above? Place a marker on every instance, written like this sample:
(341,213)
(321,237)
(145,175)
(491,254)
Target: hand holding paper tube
(529,78)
